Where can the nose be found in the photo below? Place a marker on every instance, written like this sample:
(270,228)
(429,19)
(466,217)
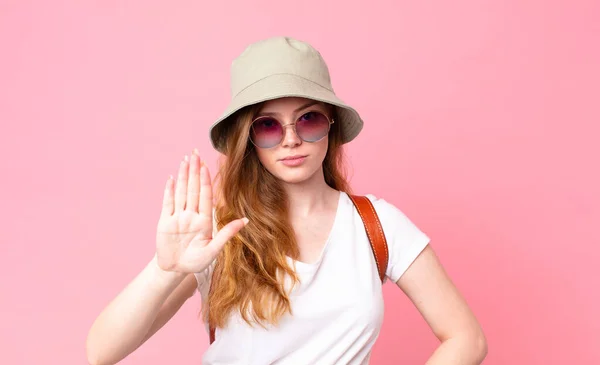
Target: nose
(290,138)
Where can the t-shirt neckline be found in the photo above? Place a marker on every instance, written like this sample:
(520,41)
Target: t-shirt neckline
(306,266)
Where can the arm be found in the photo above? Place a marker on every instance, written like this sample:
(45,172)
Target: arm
(180,295)
(141,309)
(430,289)
(186,243)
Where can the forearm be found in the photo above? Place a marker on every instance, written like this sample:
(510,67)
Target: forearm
(123,324)
(463,350)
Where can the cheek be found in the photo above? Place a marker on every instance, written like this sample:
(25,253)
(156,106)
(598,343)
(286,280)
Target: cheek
(321,149)
(264,157)
(324,144)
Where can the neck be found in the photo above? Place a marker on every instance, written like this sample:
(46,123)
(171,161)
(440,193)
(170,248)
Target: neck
(310,196)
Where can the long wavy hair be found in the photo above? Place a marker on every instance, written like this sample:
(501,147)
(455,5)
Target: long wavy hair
(249,273)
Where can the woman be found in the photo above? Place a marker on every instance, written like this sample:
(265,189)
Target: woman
(295,281)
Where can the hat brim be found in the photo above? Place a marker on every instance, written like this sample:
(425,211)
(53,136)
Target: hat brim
(287,85)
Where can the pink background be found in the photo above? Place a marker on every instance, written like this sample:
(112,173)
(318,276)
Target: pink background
(481,124)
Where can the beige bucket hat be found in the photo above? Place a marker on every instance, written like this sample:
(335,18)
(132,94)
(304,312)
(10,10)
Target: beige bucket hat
(279,67)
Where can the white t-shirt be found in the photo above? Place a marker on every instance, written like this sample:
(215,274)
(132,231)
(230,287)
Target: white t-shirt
(338,305)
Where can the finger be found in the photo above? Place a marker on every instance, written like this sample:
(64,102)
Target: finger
(181,188)
(167,206)
(225,234)
(193,183)
(206,193)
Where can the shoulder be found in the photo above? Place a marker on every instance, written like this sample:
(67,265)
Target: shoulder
(389,213)
(404,238)
(392,217)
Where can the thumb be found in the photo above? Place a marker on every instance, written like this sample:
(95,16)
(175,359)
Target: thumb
(225,234)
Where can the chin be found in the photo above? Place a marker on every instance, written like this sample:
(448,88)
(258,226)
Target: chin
(294,175)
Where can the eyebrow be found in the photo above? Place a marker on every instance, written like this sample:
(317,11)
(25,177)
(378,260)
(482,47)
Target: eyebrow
(295,111)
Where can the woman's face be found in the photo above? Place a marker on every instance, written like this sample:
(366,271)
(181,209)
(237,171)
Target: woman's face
(288,111)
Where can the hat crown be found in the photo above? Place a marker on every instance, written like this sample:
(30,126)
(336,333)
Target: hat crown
(278,55)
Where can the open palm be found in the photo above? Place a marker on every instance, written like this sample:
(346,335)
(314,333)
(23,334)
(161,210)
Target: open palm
(184,237)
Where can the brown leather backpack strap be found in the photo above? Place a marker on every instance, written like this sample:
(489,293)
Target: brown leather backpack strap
(211,328)
(212,334)
(374,232)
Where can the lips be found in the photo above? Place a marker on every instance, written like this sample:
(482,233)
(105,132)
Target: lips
(293,161)
(295,157)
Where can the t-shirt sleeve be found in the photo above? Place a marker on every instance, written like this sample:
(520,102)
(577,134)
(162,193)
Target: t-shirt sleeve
(405,240)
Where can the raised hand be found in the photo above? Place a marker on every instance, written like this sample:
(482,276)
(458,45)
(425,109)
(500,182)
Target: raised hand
(184,237)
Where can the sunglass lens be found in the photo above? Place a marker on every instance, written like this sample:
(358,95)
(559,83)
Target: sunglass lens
(266,132)
(312,126)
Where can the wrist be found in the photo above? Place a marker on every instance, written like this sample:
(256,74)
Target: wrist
(167,275)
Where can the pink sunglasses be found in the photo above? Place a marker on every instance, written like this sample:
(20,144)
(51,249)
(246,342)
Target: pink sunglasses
(268,132)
